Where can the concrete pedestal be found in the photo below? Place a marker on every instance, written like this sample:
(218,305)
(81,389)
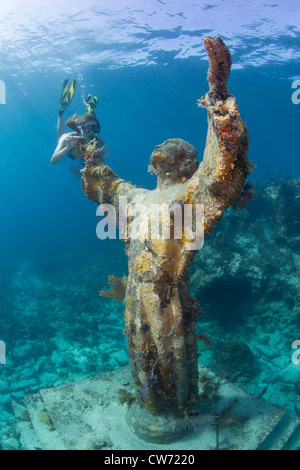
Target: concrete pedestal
(88,415)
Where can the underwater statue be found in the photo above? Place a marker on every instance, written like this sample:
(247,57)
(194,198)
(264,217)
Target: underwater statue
(160,316)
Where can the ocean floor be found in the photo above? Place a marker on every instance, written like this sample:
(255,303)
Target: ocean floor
(245,278)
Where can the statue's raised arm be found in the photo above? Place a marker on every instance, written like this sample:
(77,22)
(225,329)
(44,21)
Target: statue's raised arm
(221,176)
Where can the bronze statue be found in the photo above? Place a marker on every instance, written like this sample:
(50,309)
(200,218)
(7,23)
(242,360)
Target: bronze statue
(160,316)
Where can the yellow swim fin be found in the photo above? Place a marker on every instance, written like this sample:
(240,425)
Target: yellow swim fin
(66,95)
(91,103)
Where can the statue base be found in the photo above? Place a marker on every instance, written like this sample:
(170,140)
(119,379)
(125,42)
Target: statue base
(88,415)
(159,429)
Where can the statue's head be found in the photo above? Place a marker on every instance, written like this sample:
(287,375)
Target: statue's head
(173,162)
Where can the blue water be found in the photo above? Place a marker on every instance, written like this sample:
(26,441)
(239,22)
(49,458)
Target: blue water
(146,62)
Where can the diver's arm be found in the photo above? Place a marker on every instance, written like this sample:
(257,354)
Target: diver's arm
(220,178)
(65,145)
(61,130)
(60,151)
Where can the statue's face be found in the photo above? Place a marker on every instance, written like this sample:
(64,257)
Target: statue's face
(174,162)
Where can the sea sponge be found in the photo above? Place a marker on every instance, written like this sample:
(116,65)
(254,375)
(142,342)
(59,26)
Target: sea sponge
(44,417)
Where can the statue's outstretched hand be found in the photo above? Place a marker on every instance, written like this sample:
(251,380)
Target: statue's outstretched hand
(219,66)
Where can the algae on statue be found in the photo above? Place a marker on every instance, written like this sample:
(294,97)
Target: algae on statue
(160,316)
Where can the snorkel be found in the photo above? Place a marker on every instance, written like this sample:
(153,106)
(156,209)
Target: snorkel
(88,119)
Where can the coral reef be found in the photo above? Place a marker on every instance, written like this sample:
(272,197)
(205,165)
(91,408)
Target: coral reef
(160,328)
(287,213)
(234,357)
(244,259)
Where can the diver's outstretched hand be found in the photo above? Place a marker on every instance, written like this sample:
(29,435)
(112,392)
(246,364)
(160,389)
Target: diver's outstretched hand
(219,66)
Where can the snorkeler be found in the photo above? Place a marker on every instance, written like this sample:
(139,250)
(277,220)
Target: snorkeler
(86,126)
